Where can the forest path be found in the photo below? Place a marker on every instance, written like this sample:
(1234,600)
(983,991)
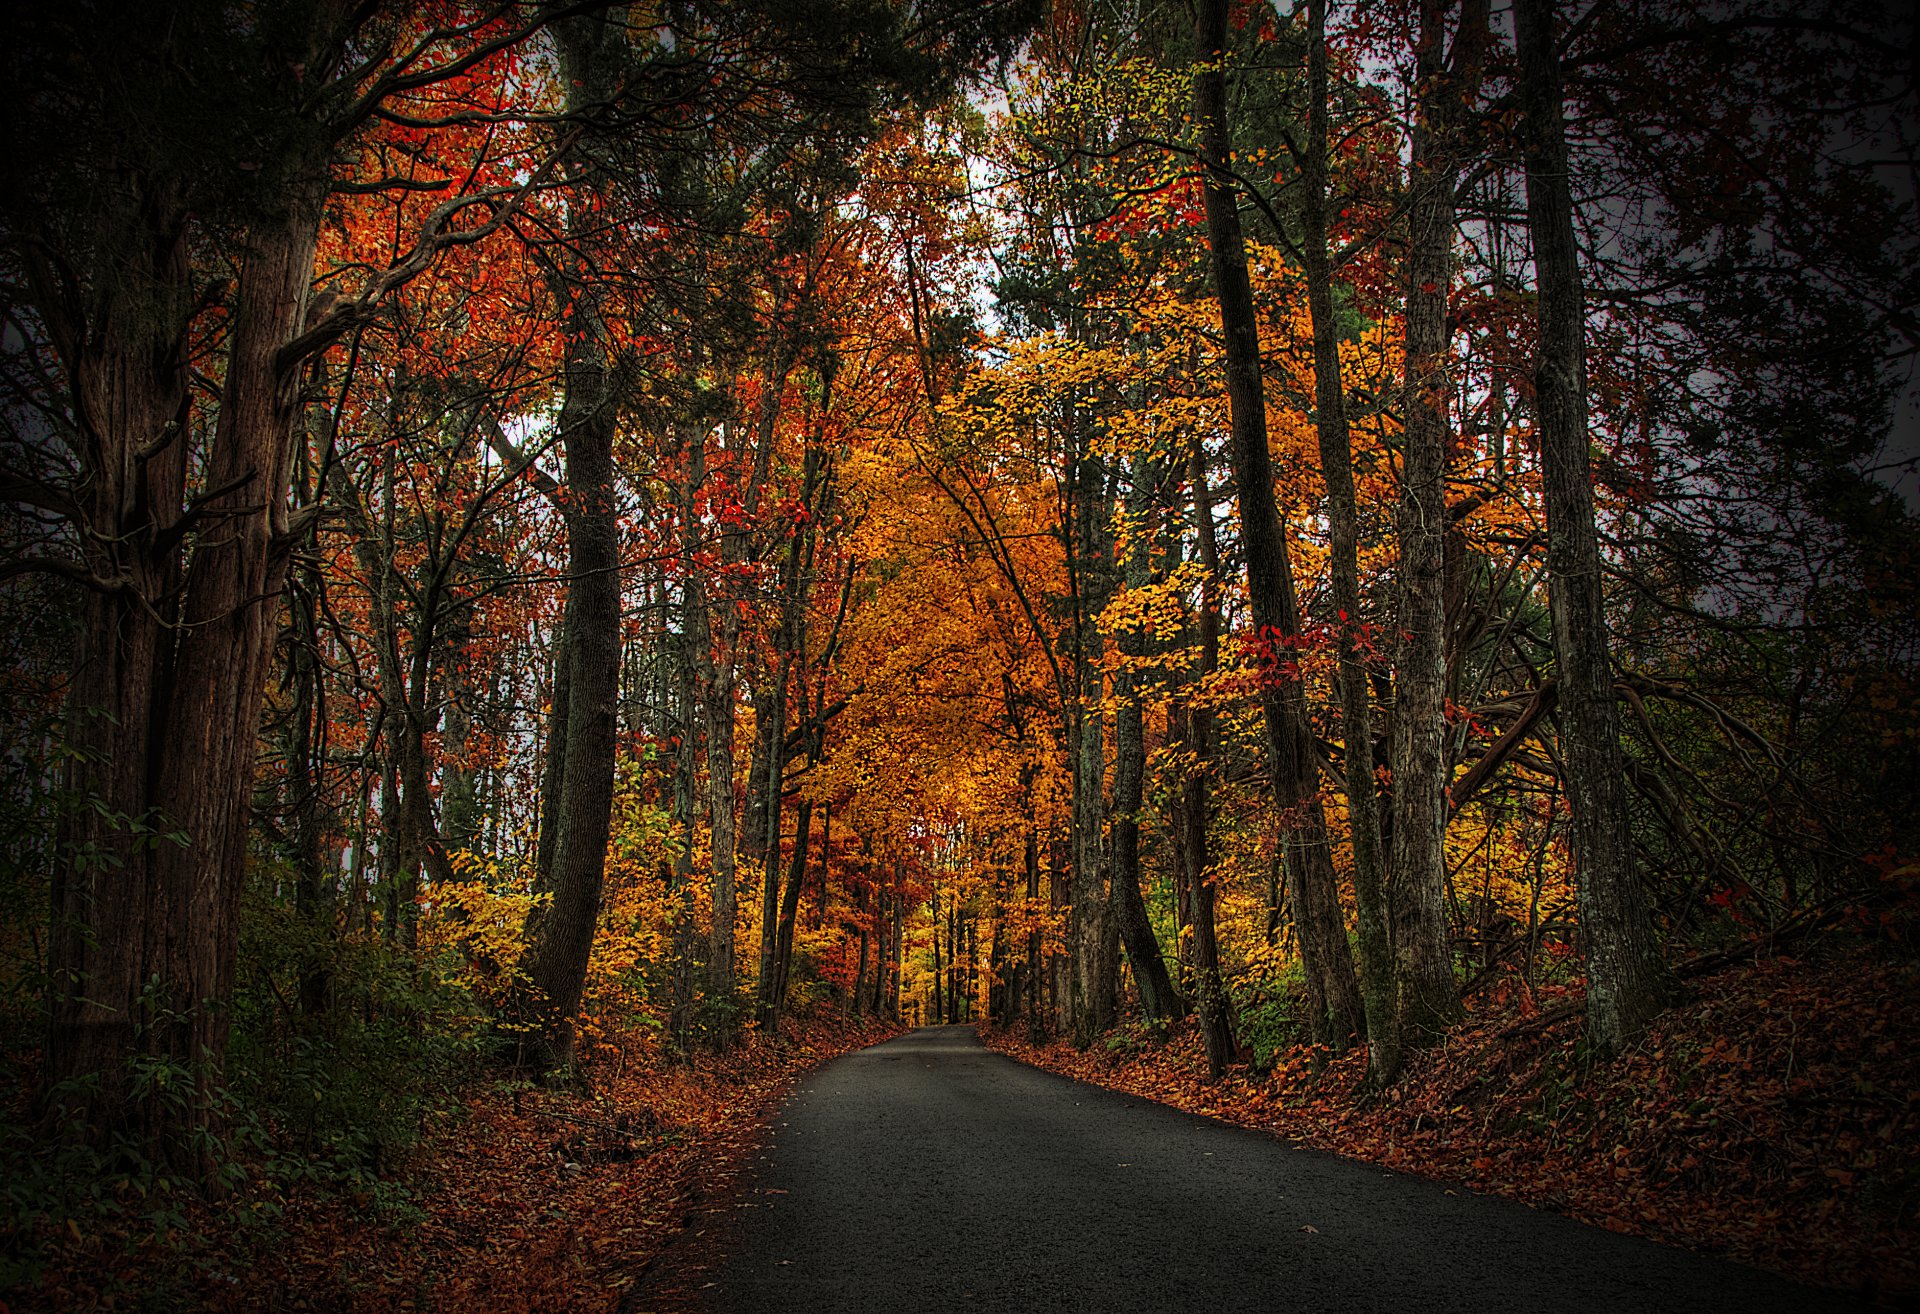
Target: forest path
(929,1174)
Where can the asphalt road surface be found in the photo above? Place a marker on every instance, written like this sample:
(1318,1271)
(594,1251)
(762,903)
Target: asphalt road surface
(930,1174)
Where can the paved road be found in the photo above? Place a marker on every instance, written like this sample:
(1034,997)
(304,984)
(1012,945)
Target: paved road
(930,1174)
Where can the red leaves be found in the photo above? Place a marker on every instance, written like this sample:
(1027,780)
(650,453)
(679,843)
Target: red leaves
(532,1200)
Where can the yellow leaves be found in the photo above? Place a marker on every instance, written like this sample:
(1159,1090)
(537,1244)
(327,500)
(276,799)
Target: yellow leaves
(475,926)
(1154,616)
(1269,961)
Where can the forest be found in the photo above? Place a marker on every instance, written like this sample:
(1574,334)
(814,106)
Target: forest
(1347,566)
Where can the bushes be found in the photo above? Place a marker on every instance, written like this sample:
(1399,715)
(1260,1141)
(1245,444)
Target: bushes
(344,1090)
(1269,1006)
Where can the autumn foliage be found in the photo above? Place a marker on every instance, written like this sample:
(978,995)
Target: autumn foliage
(560,563)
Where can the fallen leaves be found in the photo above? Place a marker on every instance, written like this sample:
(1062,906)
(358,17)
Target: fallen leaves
(547,1200)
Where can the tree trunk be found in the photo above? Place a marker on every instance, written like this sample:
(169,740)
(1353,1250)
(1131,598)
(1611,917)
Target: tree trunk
(162,718)
(864,919)
(1210,993)
(1091,1002)
(773,735)
(563,941)
(1378,974)
(553,768)
(1091,997)
(1333,995)
(939,1013)
(1429,998)
(790,907)
(1628,982)
(718,671)
(1036,964)
(688,658)
(1161,1002)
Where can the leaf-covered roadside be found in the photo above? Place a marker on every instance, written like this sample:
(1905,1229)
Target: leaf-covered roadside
(1772,1119)
(533,1199)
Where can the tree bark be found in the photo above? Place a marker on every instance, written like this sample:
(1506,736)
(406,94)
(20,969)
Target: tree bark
(1091,1001)
(1429,1000)
(164,706)
(1157,996)
(1378,972)
(553,767)
(1333,995)
(1210,992)
(717,678)
(790,907)
(1628,982)
(563,941)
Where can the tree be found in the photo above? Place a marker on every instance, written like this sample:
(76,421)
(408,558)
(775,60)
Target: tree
(1627,979)
(221,140)
(1447,83)
(593,63)
(1333,995)
(1379,975)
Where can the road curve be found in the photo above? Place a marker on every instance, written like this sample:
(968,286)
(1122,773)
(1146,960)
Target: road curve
(929,1173)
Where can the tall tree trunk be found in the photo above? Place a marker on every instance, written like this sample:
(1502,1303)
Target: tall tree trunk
(162,717)
(1157,995)
(1333,994)
(717,714)
(583,815)
(939,1013)
(563,942)
(1628,982)
(718,670)
(554,764)
(790,906)
(773,736)
(894,958)
(1429,999)
(1091,998)
(1036,942)
(863,919)
(306,752)
(690,656)
(1378,976)
(790,646)
(1210,992)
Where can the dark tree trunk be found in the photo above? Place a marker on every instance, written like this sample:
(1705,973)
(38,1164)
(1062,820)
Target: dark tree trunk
(1210,993)
(1378,974)
(1158,998)
(718,672)
(939,1013)
(307,815)
(1333,994)
(790,905)
(563,942)
(1429,999)
(162,717)
(1092,998)
(590,626)
(1628,982)
(553,768)
(1157,995)
(863,918)
(690,655)
(1035,964)
(893,960)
